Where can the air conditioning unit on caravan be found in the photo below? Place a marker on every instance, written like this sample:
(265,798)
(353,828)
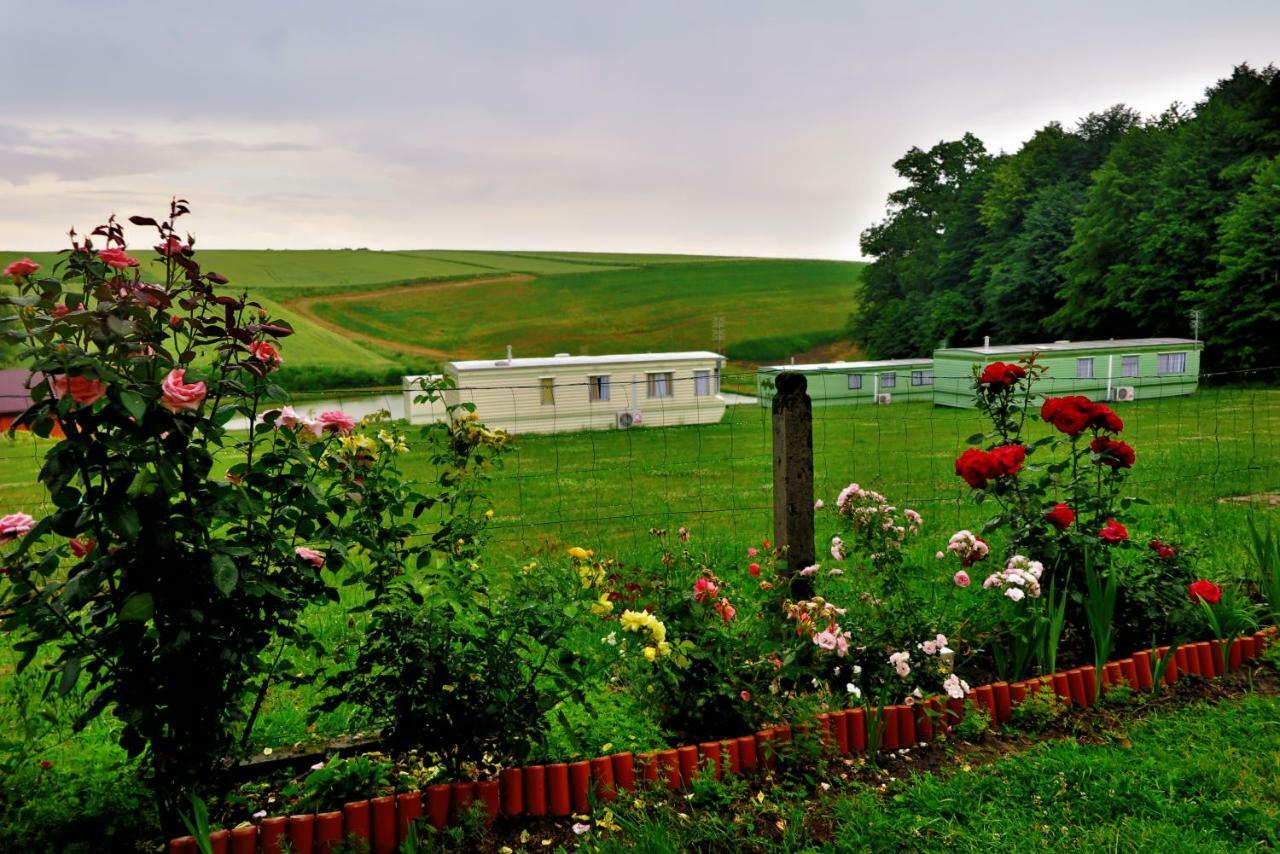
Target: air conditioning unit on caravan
(1126,392)
(627,420)
(884,398)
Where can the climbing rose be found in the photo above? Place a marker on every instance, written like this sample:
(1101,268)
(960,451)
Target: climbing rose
(1113,453)
(311,556)
(976,467)
(15,525)
(1001,374)
(1101,417)
(180,396)
(117,259)
(1113,532)
(1070,414)
(1203,590)
(336,422)
(83,390)
(1009,459)
(1061,516)
(23,267)
(266,353)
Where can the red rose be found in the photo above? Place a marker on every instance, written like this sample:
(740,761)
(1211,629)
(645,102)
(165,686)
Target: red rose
(1061,516)
(80,548)
(1008,459)
(1112,452)
(1113,532)
(45,764)
(1001,375)
(21,268)
(1164,550)
(117,259)
(1102,418)
(976,467)
(1070,414)
(754,569)
(1205,591)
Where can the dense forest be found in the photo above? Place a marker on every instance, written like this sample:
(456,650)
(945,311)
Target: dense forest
(1119,227)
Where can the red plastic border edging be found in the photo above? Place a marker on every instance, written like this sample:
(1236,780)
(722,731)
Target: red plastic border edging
(559,789)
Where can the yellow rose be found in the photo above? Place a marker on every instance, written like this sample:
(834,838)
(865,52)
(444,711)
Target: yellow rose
(603,605)
(650,653)
(579,553)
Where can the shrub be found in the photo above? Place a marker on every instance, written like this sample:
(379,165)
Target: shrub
(158,580)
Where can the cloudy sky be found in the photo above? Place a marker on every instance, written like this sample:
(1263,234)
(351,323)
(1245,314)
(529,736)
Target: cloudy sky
(728,127)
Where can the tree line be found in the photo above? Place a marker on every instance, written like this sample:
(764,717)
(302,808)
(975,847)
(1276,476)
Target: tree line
(1121,226)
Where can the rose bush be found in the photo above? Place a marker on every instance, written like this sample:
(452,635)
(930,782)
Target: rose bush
(156,584)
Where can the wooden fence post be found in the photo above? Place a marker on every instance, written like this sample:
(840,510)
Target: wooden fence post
(793,471)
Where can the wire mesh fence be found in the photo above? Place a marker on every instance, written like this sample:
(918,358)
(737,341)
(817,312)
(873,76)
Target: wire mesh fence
(705,463)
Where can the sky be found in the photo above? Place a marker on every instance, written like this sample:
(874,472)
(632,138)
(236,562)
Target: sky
(738,127)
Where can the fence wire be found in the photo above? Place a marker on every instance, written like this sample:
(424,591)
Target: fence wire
(1208,454)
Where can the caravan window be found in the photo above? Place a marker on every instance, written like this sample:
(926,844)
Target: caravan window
(855,382)
(888,380)
(548,389)
(599,388)
(660,385)
(922,377)
(1084,368)
(701,383)
(1129,366)
(1171,363)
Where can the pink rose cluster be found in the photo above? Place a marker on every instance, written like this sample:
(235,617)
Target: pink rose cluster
(901,663)
(705,590)
(15,526)
(326,422)
(967,546)
(1020,578)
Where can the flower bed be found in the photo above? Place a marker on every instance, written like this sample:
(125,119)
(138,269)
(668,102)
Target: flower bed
(563,789)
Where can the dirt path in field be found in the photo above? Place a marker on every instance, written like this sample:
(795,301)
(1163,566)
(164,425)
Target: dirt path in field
(305,307)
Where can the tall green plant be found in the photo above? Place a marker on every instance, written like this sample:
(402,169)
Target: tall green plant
(1264,547)
(1101,592)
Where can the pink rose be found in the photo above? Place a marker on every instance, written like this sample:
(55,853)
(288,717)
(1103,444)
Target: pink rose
(15,525)
(751,552)
(336,422)
(117,259)
(961,579)
(745,695)
(23,267)
(172,246)
(178,396)
(311,556)
(266,353)
(83,390)
(287,417)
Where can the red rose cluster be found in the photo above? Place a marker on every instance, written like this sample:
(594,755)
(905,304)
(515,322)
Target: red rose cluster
(979,467)
(1074,413)
(1164,550)
(1205,591)
(1000,375)
(1113,532)
(1113,452)
(1061,516)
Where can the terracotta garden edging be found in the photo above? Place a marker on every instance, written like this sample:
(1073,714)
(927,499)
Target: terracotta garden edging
(559,789)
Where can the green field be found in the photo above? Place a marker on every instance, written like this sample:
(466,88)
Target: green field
(363,317)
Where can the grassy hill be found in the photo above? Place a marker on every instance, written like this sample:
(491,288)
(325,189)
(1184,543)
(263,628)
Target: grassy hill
(364,317)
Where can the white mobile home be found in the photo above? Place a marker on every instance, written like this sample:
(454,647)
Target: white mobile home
(564,393)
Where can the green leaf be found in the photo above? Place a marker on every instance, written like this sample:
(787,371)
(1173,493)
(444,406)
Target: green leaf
(138,607)
(70,675)
(123,519)
(225,574)
(975,439)
(134,403)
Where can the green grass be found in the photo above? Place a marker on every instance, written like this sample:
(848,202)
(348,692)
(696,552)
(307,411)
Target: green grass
(420,310)
(670,307)
(1199,779)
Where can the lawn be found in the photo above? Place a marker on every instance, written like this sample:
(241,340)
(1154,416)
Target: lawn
(1199,779)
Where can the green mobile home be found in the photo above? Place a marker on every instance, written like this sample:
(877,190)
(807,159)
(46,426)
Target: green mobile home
(848,383)
(1118,369)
